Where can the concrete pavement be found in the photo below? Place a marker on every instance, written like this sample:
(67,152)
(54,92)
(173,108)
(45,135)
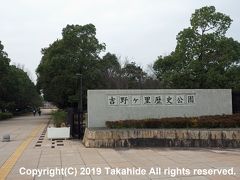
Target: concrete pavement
(43,154)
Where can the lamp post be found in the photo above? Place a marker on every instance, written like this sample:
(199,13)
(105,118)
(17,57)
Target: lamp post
(80,107)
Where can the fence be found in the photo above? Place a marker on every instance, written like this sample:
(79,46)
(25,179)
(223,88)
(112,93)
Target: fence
(236,102)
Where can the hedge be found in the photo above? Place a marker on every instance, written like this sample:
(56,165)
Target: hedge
(59,117)
(5,115)
(218,121)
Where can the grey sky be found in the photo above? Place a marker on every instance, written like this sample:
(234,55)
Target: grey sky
(138,29)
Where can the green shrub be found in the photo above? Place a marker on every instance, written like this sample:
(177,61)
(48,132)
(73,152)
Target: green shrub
(59,117)
(224,121)
(5,115)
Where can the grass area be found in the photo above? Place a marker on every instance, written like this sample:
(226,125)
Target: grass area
(5,115)
(218,121)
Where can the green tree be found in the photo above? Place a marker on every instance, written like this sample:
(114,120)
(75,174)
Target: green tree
(22,92)
(77,52)
(204,57)
(110,70)
(4,69)
(17,91)
(133,76)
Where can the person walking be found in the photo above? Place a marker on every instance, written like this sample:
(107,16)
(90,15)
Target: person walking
(34,112)
(39,112)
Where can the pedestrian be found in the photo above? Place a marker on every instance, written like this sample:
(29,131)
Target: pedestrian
(39,112)
(34,112)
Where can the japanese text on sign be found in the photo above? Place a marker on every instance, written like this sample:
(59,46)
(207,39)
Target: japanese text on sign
(125,100)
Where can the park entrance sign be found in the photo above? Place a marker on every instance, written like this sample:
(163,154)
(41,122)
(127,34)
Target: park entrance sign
(113,105)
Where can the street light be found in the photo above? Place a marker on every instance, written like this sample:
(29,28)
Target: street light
(80,106)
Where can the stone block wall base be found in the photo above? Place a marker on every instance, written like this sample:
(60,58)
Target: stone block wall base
(112,138)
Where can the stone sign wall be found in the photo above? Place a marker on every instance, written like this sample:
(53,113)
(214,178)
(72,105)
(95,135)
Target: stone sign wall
(111,105)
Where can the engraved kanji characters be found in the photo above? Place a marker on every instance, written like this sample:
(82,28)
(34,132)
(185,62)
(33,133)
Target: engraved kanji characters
(179,99)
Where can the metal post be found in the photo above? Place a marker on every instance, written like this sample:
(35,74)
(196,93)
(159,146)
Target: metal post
(80,107)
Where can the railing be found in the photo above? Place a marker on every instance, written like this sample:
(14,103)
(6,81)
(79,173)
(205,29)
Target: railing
(75,120)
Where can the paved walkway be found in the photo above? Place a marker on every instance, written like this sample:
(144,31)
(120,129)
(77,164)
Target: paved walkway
(49,155)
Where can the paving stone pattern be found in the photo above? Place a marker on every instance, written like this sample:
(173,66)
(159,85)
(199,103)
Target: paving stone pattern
(72,153)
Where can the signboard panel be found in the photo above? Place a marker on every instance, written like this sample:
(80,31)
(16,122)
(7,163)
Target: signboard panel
(111,105)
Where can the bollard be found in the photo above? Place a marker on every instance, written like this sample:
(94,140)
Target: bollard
(6,138)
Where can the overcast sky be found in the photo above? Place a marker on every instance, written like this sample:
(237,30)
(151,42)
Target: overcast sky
(140,30)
